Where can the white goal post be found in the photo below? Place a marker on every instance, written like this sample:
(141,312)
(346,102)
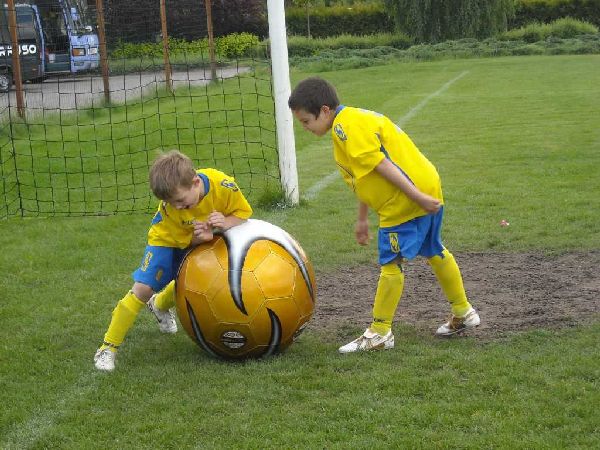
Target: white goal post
(286,146)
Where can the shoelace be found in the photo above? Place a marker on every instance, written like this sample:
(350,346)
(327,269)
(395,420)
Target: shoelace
(105,355)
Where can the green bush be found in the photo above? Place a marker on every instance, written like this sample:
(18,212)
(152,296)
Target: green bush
(236,45)
(562,28)
(231,46)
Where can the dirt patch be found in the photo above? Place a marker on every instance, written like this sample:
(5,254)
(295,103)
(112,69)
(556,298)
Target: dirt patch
(512,292)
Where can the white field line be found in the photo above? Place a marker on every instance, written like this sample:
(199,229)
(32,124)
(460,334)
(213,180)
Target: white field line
(315,189)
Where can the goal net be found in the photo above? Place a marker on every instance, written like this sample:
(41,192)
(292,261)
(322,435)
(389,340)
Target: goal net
(80,142)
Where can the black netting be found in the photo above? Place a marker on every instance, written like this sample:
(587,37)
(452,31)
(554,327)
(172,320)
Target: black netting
(73,149)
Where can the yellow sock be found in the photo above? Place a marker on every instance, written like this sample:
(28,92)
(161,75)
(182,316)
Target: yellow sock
(165,299)
(448,274)
(123,317)
(389,291)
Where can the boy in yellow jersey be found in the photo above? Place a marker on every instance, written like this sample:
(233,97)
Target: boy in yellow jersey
(390,175)
(194,205)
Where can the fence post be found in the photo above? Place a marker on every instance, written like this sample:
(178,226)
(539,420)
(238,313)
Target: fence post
(16,62)
(165,39)
(103,54)
(211,40)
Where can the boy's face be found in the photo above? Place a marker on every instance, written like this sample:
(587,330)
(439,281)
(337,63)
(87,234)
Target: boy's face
(318,125)
(186,198)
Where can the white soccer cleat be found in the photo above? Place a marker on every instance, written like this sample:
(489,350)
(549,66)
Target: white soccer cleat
(459,324)
(104,359)
(369,341)
(166,319)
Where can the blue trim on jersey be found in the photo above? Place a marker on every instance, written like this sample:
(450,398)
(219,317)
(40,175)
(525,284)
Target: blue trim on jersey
(338,109)
(157,218)
(159,266)
(204,179)
(387,156)
(420,236)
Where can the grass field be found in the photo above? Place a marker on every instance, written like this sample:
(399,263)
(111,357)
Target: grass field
(514,138)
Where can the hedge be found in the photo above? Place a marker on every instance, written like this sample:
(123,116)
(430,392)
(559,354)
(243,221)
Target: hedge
(362,19)
(545,11)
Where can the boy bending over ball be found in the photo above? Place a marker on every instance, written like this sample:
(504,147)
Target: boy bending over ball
(194,205)
(388,174)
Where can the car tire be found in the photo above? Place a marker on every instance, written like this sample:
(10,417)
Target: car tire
(5,81)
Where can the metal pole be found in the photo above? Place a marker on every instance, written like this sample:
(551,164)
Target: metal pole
(16,62)
(286,145)
(103,53)
(165,39)
(211,40)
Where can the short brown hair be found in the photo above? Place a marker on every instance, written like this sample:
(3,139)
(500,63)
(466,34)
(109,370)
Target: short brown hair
(313,93)
(169,172)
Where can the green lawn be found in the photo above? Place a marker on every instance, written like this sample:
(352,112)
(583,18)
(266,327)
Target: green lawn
(514,138)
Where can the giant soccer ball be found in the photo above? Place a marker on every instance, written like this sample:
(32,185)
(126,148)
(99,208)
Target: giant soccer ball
(246,294)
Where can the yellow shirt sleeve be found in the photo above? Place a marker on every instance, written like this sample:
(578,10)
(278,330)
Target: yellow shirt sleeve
(228,197)
(363,149)
(168,230)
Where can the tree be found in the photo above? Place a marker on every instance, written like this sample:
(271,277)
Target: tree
(440,20)
(307,4)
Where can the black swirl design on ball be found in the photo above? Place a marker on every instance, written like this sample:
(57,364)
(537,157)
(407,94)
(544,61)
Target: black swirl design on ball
(239,239)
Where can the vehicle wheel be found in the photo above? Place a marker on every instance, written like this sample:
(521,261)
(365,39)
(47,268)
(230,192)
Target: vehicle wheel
(5,81)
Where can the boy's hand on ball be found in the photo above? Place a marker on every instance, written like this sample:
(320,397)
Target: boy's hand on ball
(216,220)
(202,232)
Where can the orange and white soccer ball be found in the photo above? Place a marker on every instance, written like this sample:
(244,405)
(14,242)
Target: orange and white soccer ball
(246,294)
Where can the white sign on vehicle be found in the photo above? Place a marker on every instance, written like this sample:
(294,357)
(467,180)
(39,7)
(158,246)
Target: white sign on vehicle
(24,49)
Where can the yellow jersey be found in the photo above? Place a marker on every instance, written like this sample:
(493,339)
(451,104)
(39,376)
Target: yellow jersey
(173,227)
(361,140)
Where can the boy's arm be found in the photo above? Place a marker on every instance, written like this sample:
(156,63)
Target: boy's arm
(395,176)
(362,225)
(216,219)
(204,231)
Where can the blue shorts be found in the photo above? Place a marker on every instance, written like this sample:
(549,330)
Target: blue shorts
(159,266)
(419,236)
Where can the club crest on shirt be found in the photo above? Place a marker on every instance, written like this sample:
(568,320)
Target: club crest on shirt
(230,184)
(340,132)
